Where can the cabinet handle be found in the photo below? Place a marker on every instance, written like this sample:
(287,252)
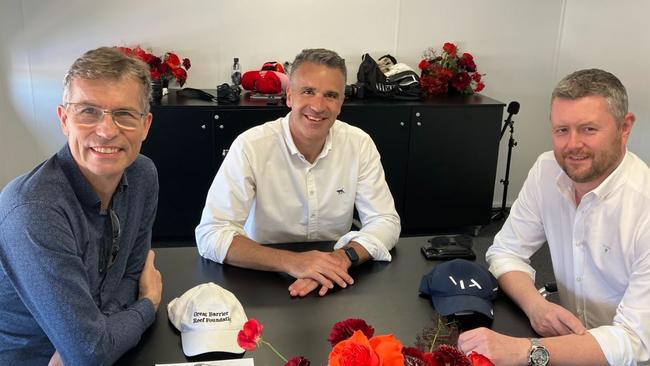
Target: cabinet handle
(417,114)
(216,116)
(221,127)
(402,124)
(203,127)
(224,152)
(419,123)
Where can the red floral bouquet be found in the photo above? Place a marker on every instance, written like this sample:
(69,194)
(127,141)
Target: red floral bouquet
(449,71)
(354,343)
(165,68)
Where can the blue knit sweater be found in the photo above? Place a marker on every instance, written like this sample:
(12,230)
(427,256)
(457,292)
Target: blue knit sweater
(52,294)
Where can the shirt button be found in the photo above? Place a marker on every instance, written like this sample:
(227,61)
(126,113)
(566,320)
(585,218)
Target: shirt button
(578,278)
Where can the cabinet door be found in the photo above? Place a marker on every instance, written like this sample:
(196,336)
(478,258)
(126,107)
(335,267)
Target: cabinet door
(232,122)
(452,166)
(388,127)
(180,144)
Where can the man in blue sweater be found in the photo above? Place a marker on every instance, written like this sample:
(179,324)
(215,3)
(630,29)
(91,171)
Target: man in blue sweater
(78,284)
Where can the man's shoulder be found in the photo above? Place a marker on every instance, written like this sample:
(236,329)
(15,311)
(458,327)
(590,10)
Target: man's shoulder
(260,135)
(43,183)
(142,168)
(340,128)
(637,175)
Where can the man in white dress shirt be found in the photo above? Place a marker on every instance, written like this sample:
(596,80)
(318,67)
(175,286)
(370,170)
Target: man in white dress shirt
(590,200)
(298,179)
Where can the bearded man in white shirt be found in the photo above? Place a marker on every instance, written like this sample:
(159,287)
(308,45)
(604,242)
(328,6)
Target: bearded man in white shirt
(590,200)
(298,179)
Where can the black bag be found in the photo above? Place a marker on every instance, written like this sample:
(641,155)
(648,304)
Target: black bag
(404,85)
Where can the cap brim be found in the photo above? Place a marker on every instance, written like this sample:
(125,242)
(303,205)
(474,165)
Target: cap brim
(454,304)
(198,342)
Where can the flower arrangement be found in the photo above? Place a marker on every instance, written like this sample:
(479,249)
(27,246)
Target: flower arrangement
(164,68)
(449,71)
(354,343)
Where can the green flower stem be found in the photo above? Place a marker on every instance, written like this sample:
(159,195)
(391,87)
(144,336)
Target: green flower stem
(274,350)
(435,337)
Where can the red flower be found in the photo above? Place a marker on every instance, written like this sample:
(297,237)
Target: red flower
(417,357)
(461,81)
(186,63)
(424,64)
(467,61)
(358,350)
(450,48)
(172,60)
(250,334)
(480,86)
(298,361)
(154,73)
(180,75)
(344,330)
(449,355)
(476,77)
(478,359)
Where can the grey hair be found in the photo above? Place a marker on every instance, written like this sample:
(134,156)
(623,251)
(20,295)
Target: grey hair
(595,82)
(319,56)
(109,63)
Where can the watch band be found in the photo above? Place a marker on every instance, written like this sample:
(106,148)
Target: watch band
(352,255)
(538,354)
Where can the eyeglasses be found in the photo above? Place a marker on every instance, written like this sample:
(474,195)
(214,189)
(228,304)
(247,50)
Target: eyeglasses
(90,115)
(109,254)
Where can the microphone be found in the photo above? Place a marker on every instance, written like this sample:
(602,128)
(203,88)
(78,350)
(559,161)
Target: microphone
(513,108)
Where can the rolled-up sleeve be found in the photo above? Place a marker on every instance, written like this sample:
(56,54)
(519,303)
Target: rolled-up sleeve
(521,235)
(627,340)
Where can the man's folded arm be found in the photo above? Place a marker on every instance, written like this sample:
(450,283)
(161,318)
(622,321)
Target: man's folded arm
(50,277)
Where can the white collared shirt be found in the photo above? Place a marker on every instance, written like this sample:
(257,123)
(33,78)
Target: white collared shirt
(266,190)
(600,250)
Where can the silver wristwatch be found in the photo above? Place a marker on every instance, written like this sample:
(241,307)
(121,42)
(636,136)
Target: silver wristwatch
(538,354)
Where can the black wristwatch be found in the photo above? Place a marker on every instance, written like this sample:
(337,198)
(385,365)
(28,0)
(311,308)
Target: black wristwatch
(538,354)
(352,255)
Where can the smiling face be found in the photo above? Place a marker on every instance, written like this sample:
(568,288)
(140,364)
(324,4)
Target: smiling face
(587,142)
(315,96)
(103,151)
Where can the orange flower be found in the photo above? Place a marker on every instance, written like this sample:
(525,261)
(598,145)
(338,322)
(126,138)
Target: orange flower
(357,350)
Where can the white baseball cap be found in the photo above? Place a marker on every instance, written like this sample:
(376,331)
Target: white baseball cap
(209,318)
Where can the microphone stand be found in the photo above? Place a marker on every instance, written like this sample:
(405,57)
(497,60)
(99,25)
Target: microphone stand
(502,212)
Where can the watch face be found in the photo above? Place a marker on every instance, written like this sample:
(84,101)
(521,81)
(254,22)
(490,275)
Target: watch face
(539,357)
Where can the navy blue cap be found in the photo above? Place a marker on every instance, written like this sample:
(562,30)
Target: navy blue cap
(460,286)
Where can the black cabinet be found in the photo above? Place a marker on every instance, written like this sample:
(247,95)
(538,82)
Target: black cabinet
(180,142)
(452,166)
(389,128)
(228,124)
(439,155)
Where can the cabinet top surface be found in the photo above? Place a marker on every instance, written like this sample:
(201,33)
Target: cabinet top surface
(174,100)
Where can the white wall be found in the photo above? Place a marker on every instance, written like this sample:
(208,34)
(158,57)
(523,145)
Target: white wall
(524,47)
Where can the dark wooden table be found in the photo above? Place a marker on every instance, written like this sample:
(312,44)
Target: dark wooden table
(384,294)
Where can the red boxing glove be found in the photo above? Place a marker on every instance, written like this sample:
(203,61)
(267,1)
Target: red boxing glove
(267,82)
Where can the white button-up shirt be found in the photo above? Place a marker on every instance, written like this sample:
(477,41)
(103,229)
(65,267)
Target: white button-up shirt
(266,190)
(600,250)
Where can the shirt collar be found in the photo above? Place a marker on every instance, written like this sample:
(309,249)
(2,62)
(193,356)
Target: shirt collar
(288,139)
(78,182)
